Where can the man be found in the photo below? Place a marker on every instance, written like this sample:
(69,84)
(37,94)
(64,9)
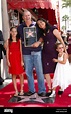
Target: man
(1,49)
(32,57)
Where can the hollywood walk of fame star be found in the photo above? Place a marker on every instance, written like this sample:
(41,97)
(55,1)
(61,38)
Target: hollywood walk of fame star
(32,99)
(30,33)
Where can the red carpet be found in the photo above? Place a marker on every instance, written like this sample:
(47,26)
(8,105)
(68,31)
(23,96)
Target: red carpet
(7,92)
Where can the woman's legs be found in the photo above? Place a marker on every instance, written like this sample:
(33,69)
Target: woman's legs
(48,80)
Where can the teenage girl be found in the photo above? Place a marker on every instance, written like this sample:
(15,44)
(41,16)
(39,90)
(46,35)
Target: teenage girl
(14,59)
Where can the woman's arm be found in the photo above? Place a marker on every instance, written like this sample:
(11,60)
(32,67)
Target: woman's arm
(58,36)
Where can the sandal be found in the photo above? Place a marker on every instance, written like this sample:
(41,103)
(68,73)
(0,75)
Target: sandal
(49,92)
(16,94)
(21,93)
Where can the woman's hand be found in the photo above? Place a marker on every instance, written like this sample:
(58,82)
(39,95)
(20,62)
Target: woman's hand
(22,63)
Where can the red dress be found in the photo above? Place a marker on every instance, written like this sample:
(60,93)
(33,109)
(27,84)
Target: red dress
(15,58)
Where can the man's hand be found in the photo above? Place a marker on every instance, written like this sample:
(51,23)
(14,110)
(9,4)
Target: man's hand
(36,44)
(55,60)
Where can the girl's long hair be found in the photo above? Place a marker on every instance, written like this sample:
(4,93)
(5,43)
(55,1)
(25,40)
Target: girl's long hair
(17,36)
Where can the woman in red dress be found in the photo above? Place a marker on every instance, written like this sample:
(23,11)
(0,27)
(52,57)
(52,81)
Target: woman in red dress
(14,59)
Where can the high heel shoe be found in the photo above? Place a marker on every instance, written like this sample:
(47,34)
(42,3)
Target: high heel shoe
(49,92)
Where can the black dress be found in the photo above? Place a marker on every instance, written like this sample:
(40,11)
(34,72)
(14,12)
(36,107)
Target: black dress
(49,52)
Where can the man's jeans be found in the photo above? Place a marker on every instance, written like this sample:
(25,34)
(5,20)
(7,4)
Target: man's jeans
(34,61)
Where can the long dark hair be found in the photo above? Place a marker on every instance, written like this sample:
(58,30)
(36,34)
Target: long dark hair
(17,36)
(48,25)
